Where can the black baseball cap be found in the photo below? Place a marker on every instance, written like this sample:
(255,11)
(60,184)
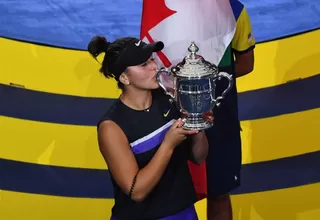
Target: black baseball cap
(135,53)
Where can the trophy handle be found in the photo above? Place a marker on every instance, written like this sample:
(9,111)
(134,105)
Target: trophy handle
(229,78)
(162,77)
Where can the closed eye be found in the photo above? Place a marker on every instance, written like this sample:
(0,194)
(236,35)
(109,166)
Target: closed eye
(149,61)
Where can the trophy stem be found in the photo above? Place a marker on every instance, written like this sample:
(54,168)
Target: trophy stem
(196,122)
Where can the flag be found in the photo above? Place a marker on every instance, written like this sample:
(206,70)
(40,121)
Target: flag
(209,23)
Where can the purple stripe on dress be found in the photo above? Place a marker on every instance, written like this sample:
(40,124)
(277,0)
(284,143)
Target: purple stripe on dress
(150,143)
(152,140)
(187,214)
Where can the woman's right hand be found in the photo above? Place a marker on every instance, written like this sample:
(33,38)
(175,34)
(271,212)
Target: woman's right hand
(177,134)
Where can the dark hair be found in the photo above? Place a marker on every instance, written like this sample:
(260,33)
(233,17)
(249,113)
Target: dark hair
(99,44)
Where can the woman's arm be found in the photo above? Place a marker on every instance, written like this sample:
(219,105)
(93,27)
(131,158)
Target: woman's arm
(122,164)
(199,147)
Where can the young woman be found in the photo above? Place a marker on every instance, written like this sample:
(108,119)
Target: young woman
(141,139)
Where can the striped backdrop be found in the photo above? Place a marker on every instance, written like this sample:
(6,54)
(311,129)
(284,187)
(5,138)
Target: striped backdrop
(51,96)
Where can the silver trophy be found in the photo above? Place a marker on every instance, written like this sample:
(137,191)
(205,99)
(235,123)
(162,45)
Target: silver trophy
(191,85)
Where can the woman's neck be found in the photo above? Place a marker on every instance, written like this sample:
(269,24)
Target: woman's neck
(138,100)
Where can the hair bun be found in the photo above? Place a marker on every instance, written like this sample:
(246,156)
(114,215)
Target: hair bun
(97,45)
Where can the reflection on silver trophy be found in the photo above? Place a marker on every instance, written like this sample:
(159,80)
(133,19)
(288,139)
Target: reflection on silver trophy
(191,85)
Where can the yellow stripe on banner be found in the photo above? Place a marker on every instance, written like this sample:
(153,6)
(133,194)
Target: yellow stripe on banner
(73,72)
(280,61)
(50,144)
(53,70)
(298,203)
(24,206)
(280,136)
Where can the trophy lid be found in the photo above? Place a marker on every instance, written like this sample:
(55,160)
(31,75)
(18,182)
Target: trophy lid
(194,65)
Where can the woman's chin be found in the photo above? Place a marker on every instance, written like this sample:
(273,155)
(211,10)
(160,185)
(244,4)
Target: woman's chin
(156,86)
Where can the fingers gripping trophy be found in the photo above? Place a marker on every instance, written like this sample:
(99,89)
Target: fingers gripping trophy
(191,85)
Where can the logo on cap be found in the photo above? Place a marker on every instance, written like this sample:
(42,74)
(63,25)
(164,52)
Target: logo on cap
(138,44)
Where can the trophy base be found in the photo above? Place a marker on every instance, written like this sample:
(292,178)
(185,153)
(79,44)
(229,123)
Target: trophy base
(196,123)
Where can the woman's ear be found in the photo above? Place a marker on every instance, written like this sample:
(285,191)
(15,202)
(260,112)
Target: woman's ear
(124,79)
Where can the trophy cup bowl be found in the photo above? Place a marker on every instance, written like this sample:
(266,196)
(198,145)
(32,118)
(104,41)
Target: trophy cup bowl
(191,85)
